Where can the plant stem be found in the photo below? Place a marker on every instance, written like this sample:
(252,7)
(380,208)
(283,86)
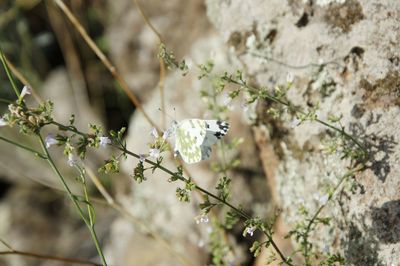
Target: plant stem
(41,155)
(48,257)
(277,100)
(10,78)
(237,210)
(74,200)
(311,222)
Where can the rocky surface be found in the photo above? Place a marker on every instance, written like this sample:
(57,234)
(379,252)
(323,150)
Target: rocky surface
(344,56)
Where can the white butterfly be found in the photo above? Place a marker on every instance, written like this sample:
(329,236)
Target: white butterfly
(194,138)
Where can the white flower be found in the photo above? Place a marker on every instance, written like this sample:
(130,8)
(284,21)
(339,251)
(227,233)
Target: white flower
(104,141)
(289,78)
(295,122)
(323,199)
(200,244)
(203,218)
(72,161)
(250,231)
(325,249)
(154,133)
(155,153)
(167,133)
(142,157)
(226,99)
(3,122)
(26,90)
(245,106)
(50,140)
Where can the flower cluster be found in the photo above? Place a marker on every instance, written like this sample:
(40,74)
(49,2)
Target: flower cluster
(29,120)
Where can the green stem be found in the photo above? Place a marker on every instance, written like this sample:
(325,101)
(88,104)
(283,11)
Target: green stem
(237,210)
(315,216)
(5,101)
(74,200)
(5,65)
(41,155)
(277,100)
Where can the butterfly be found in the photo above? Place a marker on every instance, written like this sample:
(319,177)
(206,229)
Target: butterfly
(194,138)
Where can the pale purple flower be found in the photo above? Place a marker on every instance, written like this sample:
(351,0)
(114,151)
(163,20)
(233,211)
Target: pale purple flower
(295,122)
(3,122)
(154,133)
(245,106)
(250,230)
(104,141)
(72,161)
(323,199)
(26,90)
(142,157)
(154,153)
(167,133)
(50,140)
(326,249)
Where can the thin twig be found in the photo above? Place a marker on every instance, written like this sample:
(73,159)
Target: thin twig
(48,257)
(12,251)
(204,191)
(161,61)
(122,210)
(23,80)
(332,62)
(107,63)
(74,200)
(315,216)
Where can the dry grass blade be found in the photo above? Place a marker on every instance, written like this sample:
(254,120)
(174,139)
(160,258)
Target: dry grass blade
(107,63)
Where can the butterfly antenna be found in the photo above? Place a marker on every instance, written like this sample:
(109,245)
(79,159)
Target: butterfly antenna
(173,118)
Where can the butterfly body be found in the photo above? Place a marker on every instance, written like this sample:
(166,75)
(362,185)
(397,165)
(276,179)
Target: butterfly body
(194,138)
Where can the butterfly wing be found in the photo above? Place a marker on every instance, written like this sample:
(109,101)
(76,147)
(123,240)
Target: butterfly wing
(189,136)
(215,130)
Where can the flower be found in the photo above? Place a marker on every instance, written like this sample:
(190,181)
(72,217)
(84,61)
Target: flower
(167,133)
(245,106)
(154,133)
(155,153)
(249,231)
(295,122)
(289,78)
(142,157)
(50,140)
(323,199)
(104,141)
(226,99)
(203,218)
(200,243)
(26,90)
(72,161)
(3,122)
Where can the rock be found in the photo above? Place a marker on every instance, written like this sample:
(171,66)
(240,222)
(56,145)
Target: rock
(343,55)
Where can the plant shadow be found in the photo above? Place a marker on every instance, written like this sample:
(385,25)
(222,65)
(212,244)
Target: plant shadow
(379,147)
(386,222)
